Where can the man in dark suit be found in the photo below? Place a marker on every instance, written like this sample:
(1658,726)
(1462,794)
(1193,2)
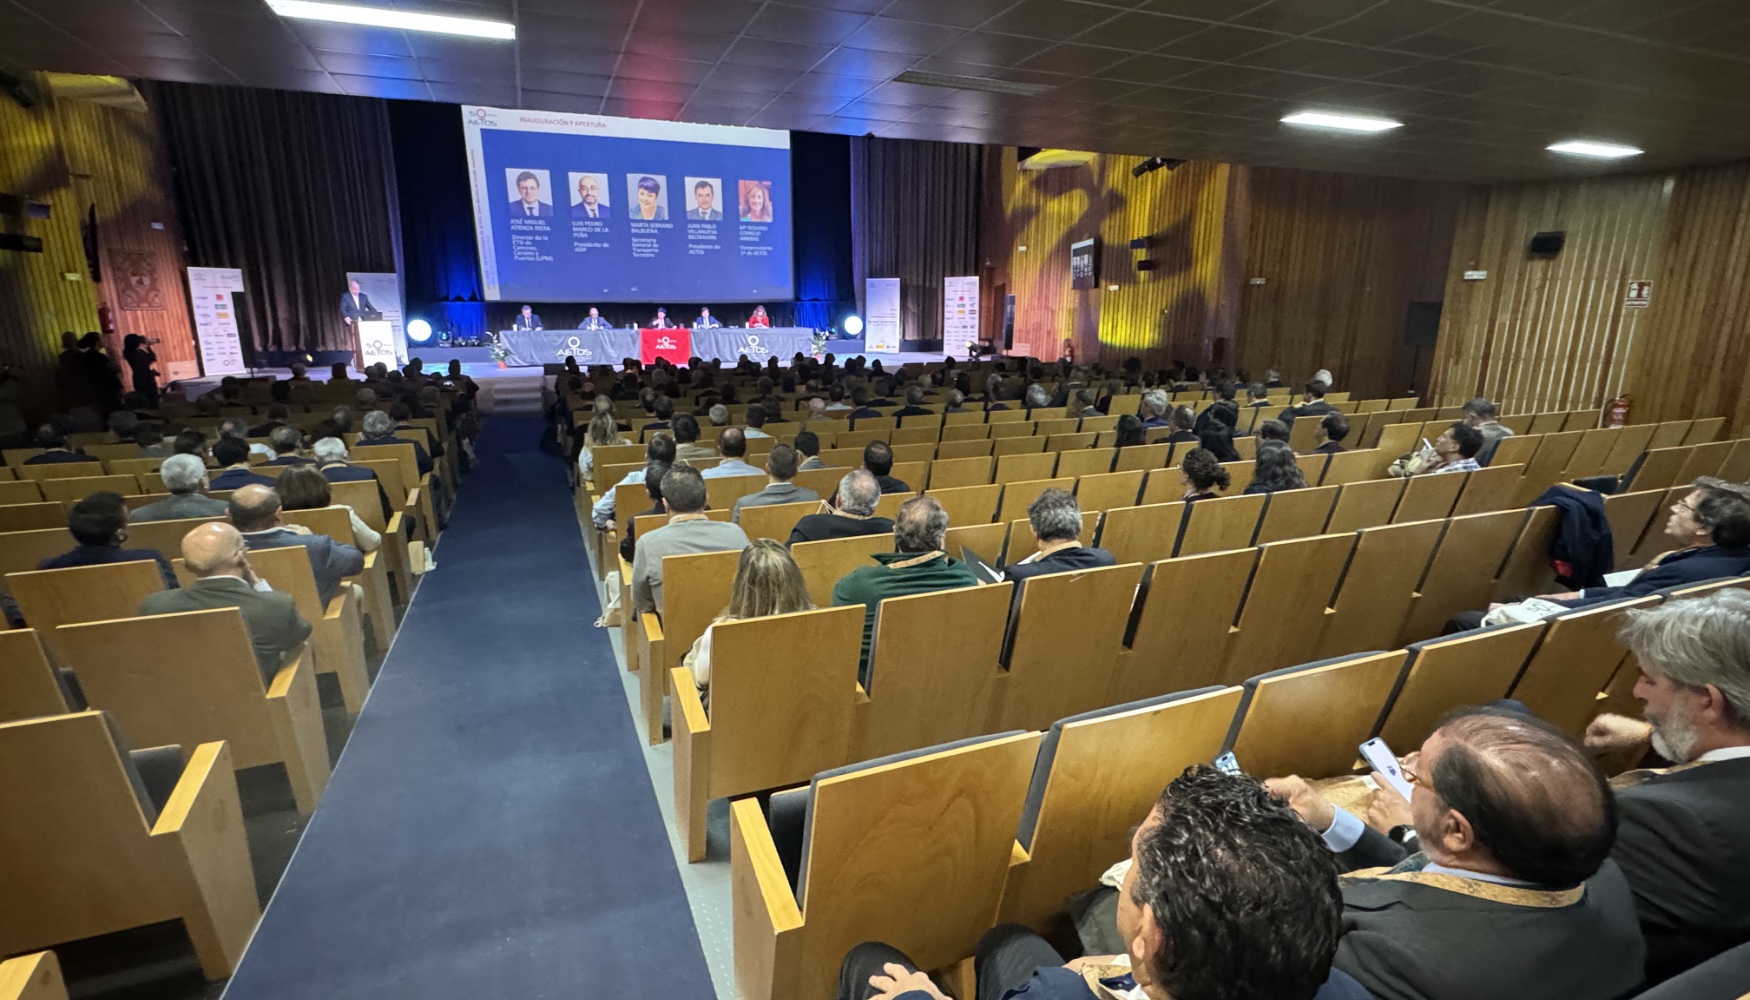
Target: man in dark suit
(232,454)
(99,523)
(255,511)
(55,448)
(594,321)
(1312,403)
(589,199)
(1682,840)
(380,429)
(356,305)
(1510,885)
(216,554)
(914,404)
(705,203)
(1056,520)
(661,321)
(527,320)
(1333,428)
(529,203)
(285,442)
(330,456)
(860,407)
(706,321)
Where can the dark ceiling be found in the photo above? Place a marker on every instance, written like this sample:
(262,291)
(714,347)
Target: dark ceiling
(1481,85)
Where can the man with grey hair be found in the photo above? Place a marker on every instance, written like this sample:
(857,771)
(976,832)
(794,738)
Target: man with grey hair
(366,398)
(688,531)
(851,513)
(380,429)
(1037,397)
(1153,409)
(285,442)
(993,393)
(343,418)
(1056,520)
(185,476)
(1682,839)
(920,566)
(331,461)
(718,415)
(1480,413)
(914,405)
(237,427)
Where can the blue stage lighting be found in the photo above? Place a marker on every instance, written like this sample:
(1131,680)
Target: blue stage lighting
(854,325)
(419,331)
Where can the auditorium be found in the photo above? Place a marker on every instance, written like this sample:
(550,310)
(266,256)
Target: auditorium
(874,500)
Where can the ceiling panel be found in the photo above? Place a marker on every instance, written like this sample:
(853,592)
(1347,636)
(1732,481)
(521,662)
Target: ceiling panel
(1481,85)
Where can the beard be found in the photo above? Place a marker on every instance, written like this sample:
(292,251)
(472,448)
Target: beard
(1674,736)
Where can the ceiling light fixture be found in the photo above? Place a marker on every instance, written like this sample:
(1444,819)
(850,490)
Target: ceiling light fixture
(1600,150)
(980,83)
(405,20)
(1348,123)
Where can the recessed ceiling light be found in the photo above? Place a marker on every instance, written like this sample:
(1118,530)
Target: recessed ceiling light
(405,20)
(1602,150)
(1349,123)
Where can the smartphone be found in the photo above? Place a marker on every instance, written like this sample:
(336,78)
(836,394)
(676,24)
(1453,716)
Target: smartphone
(1379,757)
(1228,764)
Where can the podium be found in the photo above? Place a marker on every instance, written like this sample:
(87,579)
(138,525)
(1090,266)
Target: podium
(376,343)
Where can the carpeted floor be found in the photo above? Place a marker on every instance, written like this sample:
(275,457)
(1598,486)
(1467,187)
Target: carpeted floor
(490,830)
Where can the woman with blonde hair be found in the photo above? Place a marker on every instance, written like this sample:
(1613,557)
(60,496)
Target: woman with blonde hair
(767,582)
(603,431)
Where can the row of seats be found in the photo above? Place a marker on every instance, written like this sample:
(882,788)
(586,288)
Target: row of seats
(1003,827)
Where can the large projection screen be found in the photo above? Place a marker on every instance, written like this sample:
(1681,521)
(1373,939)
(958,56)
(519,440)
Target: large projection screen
(587,208)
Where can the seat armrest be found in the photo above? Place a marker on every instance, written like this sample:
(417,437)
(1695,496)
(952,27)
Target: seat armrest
(689,710)
(288,671)
(206,774)
(766,921)
(202,826)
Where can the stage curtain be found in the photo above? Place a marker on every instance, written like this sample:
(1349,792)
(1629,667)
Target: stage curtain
(437,208)
(294,188)
(915,216)
(820,172)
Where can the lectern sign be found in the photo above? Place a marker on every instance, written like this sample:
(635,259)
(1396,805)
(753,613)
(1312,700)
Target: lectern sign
(1639,295)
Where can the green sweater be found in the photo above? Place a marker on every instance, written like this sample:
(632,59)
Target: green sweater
(899,574)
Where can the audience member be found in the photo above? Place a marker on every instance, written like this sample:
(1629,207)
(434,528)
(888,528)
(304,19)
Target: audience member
(767,582)
(732,446)
(781,467)
(216,555)
(285,442)
(190,441)
(1454,450)
(1333,428)
(602,432)
(686,439)
(1275,469)
(1510,884)
(232,455)
(1128,432)
(151,442)
(1203,475)
(1271,430)
(278,414)
(1056,520)
(1152,411)
(1217,436)
(380,430)
(1257,395)
(858,493)
(304,488)
(99,524)
(808,446)
(1083,404)
(660,448)
(1312,403)
(1481,414)
(1226,896)
(185,476)
(754,420)
(1681,840)
(255,511)
(1181,420)
(688,531)
(878,459)
(917,566)
(53,442)
(653,473)
(914,404)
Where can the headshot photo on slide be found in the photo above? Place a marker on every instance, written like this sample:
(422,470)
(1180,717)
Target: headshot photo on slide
(589,196)
(647,197)
(756,201)
(705,202)
(531,194)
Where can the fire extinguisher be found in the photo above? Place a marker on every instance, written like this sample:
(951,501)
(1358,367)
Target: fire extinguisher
(106,321)
(1616,411)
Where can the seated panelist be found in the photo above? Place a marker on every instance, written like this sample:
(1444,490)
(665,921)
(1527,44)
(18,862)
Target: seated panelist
(706,321)
(759,318)
(661,322)
(594,320)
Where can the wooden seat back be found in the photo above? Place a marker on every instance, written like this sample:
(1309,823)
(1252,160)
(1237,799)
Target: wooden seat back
(1296,513)
(20,491)
(1185,625)
(389,475)
(27,680)
(1590,454)
(1578,656)
(1429,497)
(1399,439)
(824,563)
(1627,444)
(1366,504)
(1142,457)
(931,669)
(1019,495)
(1068,631)
(1488,489)
(950,473)
(1108,490)
(50,598)
(1472,668)
(969,504)
(695,589)
(1099,788)
(1545,467)
(363,498)
(1310,721)
(1670,434)
(401,453)
(1461,576)
(1086,462)
(1285,611)
(1654,540)
(1528,569)
(1516,450)
(1353,466)
(960,427)
(1658,468)
(1704,459)
(164,537)
(60,470)
(1736,468)
(1631,516)
(32,977)
(721,493)
(32,516)
(1221,523)
(776,520)
(970,448)
(1379,587)
(69,491)
(1704,430)
(1144,534)
(985,539)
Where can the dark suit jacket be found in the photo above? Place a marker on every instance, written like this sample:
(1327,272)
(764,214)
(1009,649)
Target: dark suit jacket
(329,560)
(290,460)
(579,212)
(707,324)
(99,555)
(1683,844)
(542,210)
(1061,561)
(909,410)
(1316,408)
(231,479)
(1678,569)
(50,457)
(597,323)
(1329,448)
(420,457)
(530,322)
(275,627)
(354,312)
(1409,938)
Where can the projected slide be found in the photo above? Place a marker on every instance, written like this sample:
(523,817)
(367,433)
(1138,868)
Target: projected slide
(585,208)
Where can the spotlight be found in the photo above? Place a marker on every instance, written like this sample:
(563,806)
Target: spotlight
(854,325)
(1154,163)
(418,331)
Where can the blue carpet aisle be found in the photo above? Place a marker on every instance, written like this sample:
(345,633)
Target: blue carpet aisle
(491,830)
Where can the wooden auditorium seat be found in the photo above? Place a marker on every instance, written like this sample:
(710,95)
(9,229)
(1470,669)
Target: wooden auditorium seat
(1285,610)
(968,504)
(1018,496)
(1064,645)
(1488,489)
(70,491)
(411,479)
(28,684)
(1364,504)
(1183,630)
(94,846)
(1576,659)
(364,499)
(1632,515)
(32,977)
(337,636)
(1309,719)
(924,873)
(950,473)
(54,597)
(1461,575)
(1378,587)
(1097,775)
(1296,513)
(1429,497)
(775,521)
(17,491)
(774,720)
(1222,523)
(192,678)
(695,589)
(34,516)
(379,605)
(1469,668)
(60,470)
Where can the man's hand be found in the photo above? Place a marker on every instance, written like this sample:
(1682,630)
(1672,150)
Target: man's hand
(1610,733)
(1385,807)
(897,981)
(1301,797)
(1076,964)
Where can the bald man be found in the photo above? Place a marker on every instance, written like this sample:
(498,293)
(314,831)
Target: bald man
(215,553)
(255,511)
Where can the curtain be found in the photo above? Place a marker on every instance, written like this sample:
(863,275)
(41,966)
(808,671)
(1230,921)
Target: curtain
(915,216)
(820,172)
(437,207)
(295,189)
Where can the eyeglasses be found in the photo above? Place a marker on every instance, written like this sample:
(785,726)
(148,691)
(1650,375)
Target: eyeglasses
(1413,776)
(1684,507)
